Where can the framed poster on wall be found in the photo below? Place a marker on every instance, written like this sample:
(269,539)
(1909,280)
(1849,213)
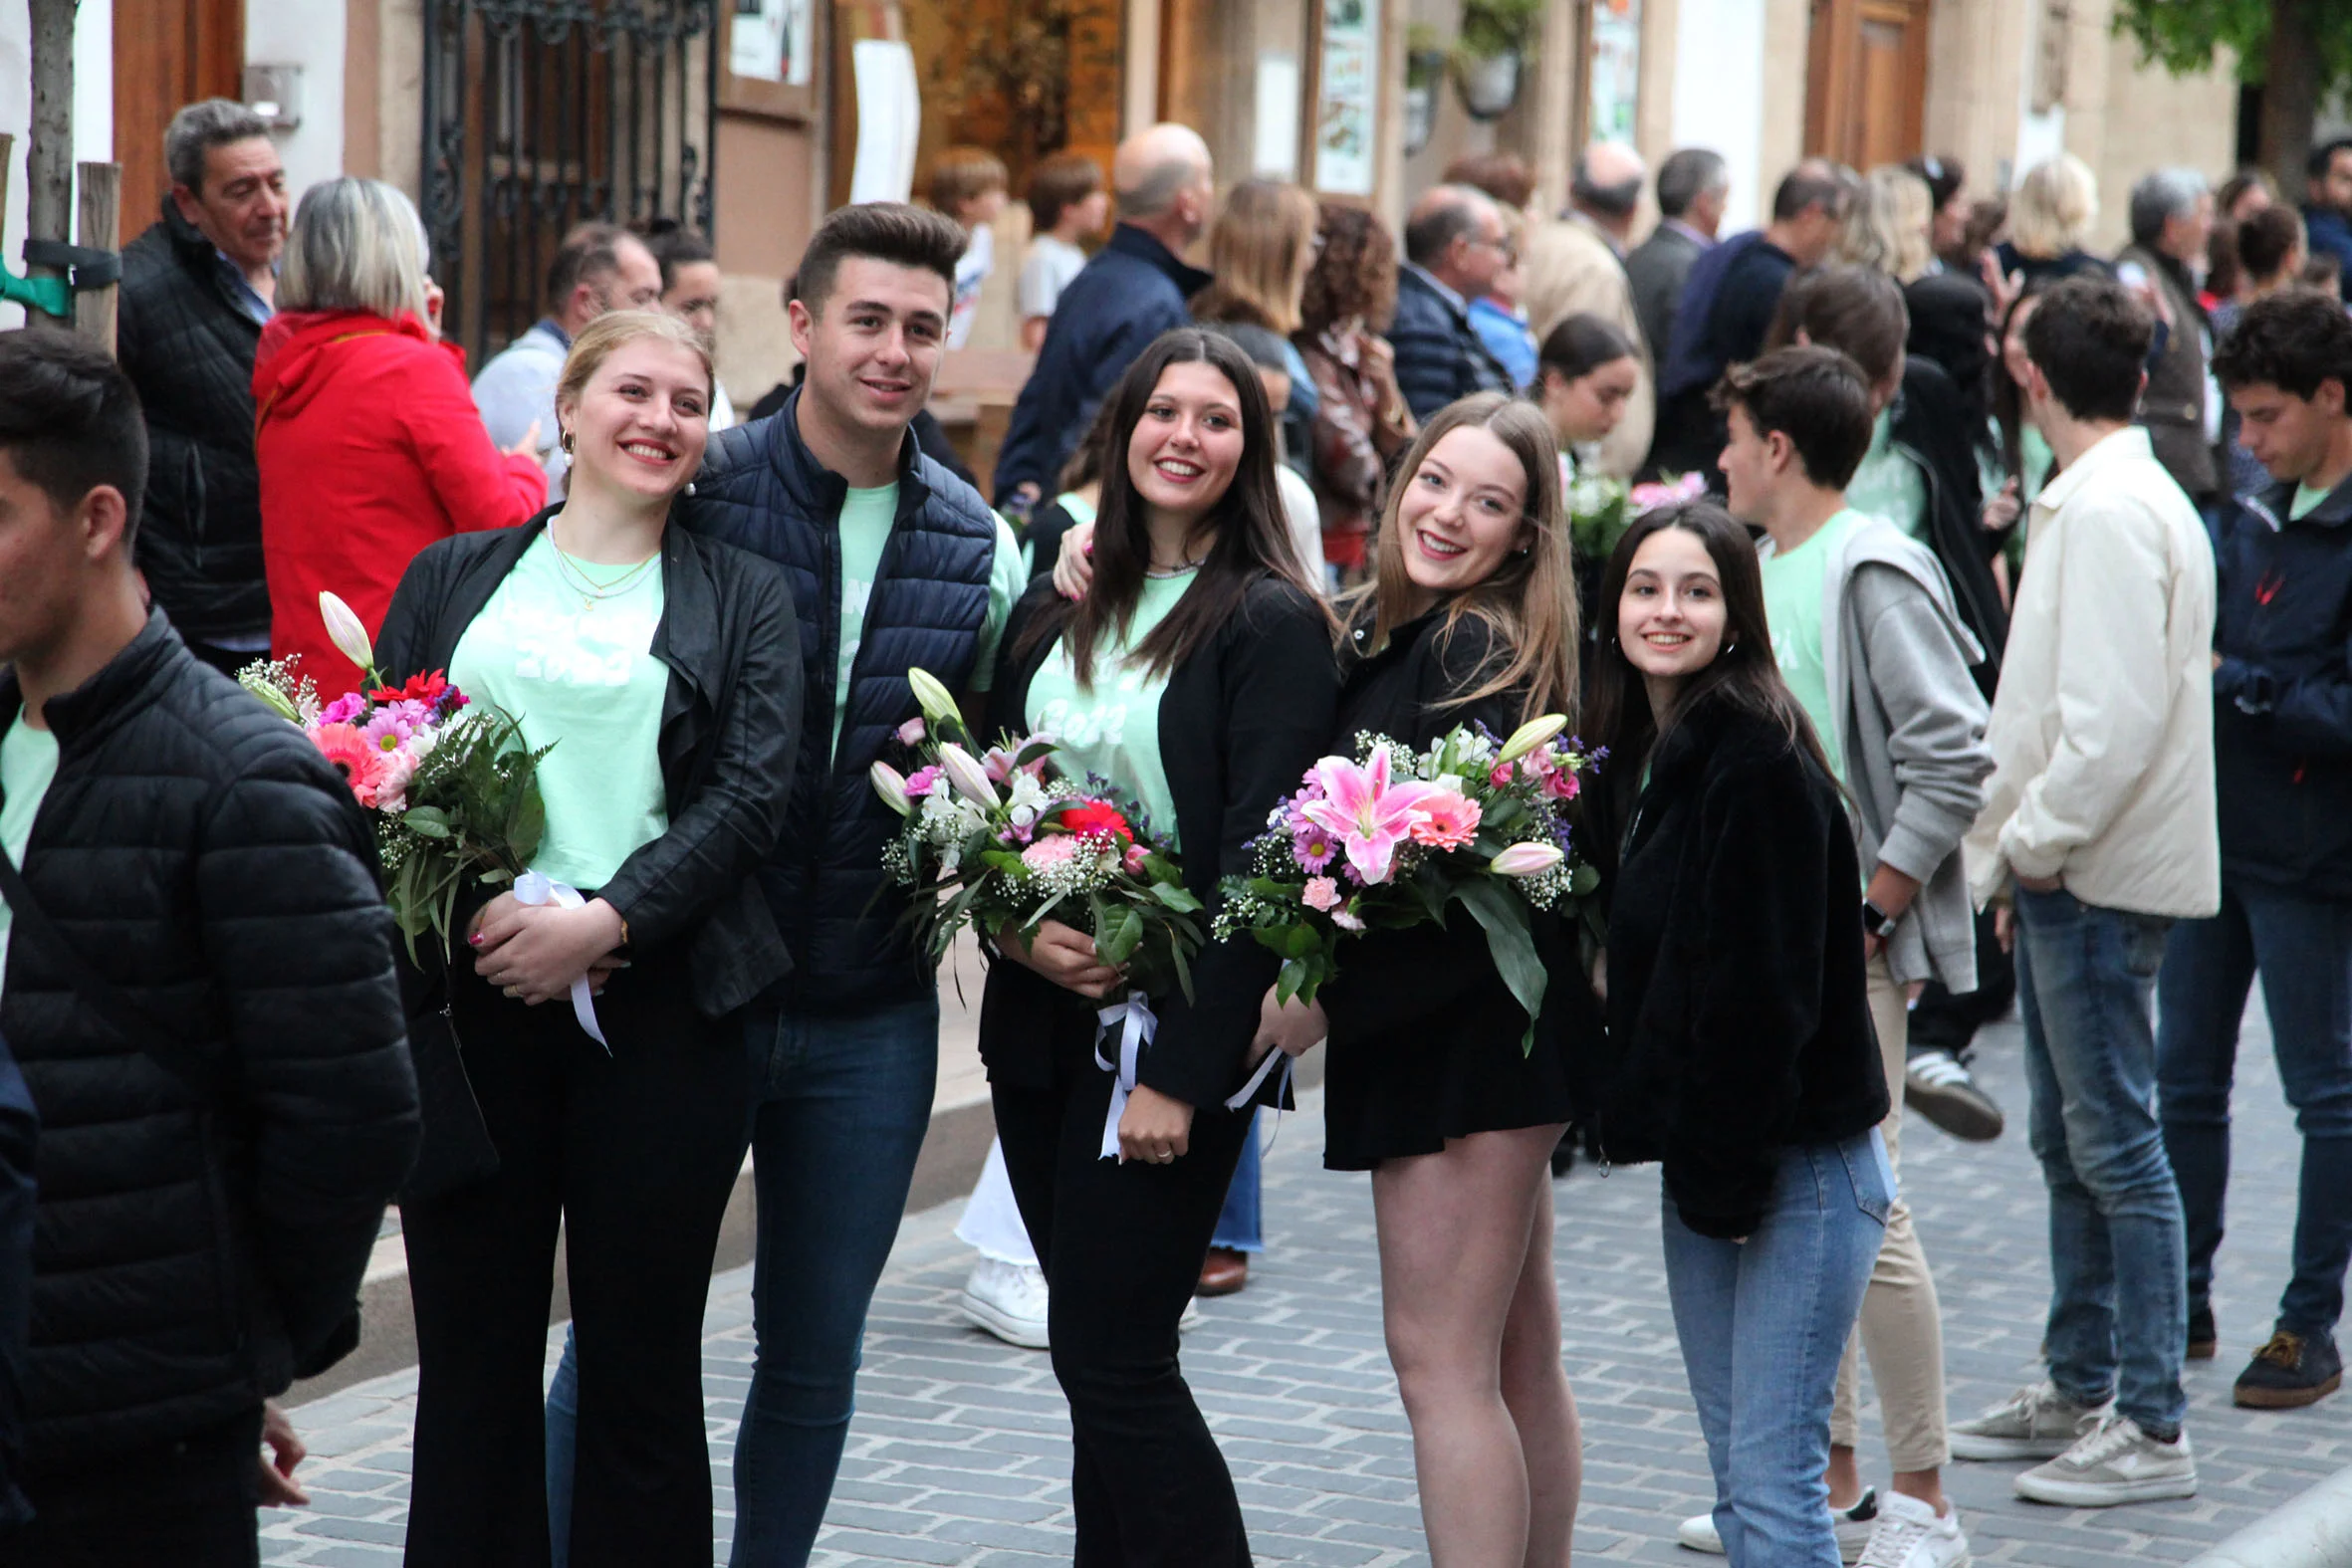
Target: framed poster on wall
(770,57)
(1347,97)
(1616,69)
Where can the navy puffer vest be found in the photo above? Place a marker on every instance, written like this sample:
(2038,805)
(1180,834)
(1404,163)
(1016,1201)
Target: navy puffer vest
(760,489)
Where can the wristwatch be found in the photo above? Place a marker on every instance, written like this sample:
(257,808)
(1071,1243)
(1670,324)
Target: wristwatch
(1876,922)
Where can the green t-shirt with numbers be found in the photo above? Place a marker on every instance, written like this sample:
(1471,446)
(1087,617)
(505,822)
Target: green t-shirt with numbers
(28,766)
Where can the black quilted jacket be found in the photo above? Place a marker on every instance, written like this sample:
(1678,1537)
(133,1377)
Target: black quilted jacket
(188,350)
(193,1255)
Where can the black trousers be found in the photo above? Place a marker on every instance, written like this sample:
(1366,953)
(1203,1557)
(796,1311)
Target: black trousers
(1123,1245)
(635,1152)
(190,1503)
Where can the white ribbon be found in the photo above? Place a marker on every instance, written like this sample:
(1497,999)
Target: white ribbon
(1249,1091)
(534,889)
(1137,1024)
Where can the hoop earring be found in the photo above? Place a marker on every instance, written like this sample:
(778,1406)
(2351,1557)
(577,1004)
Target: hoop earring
(566,441)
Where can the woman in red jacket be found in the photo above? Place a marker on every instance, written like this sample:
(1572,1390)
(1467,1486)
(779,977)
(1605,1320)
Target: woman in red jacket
(368,442)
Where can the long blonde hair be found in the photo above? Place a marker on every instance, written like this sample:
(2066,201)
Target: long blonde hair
(1529,603)
(1889,227)
(1260,250)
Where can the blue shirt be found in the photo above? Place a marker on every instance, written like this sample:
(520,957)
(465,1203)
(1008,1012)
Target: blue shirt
(247,297)
(1506,338)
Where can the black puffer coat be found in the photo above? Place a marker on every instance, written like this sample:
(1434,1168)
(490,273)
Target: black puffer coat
(189,348)
(195,1254)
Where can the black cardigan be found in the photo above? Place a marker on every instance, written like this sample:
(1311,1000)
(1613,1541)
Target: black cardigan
(1739,1014)
(1242,720)
(730,727)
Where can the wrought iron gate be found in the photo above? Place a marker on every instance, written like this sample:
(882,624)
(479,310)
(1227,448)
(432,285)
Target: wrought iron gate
(540,115)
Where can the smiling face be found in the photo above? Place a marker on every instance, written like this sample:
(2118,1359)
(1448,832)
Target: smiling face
(640,424)
(1589,407)
(1463,511)
(1184,451)
(874,344)
(1670,619)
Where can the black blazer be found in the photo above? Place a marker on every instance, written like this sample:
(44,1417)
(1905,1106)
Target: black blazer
(1739,1013)
(1241,722)
(730,728)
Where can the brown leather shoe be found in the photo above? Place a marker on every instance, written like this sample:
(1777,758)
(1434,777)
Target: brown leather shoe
(1226,1272)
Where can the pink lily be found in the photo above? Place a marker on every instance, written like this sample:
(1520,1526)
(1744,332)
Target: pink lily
(1370,816)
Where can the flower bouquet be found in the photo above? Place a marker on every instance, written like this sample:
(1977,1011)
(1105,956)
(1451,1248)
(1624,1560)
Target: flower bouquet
(994,838)
(1393,838)
(1600,509)
(449,786)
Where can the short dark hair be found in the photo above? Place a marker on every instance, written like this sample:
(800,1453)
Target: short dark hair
(673,246)
(69,420)
(2266,240)
(1809,185)
(2292,339)
(885,231)
(1688,175)
(590,250)
(1618,201)
(1427,236)
(1057,184)
(2325,155)
(1817,397)
(2090,339)
(1583,343)
(1858,310)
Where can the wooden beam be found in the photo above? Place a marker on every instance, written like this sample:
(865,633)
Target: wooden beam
(100,211)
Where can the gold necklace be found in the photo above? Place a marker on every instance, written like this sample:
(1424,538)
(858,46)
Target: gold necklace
(591,591)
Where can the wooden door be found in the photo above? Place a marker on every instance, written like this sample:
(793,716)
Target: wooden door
(1866,83)
(167,54)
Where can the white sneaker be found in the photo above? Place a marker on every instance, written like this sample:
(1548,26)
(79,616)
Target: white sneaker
(1193,1317)
(2115,1461)
(1853,1525)
(1009,1301)
(1910,1534)
(2038,1423)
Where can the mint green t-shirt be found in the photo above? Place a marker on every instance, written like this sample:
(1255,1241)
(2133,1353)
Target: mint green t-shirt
(1115,729)
(867,517)
(1794,586)
(28,766)
(1888,484)
(578,673)
(2306,502)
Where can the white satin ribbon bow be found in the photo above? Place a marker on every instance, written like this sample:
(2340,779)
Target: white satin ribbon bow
(533,888)
(1137,1024)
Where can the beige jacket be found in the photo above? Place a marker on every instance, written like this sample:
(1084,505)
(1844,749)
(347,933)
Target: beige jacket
(2102,732)
(1569,267)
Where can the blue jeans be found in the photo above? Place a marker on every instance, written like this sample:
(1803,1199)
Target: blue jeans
(2303,948)
(1762,1324)
(2119,1314)
(1241,1223)
(840,1107)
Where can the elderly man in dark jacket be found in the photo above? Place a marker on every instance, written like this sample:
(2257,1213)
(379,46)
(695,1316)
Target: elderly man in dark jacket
(1134,290)
(2172,215)
(1454,248)
(197,288)
(198,985)
(2282,748)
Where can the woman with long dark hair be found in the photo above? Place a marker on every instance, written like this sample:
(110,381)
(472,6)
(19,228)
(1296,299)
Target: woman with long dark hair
(1740,1050)
(1471,620)
(1196,675)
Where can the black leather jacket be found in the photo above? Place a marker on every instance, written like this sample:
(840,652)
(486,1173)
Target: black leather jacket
(730,725)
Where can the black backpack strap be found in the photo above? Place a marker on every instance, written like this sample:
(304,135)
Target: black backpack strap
(161,1043)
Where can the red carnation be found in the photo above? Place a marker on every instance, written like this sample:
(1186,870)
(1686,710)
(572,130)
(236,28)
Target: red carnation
(1093,816)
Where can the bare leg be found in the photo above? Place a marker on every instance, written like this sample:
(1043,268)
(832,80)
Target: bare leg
(1455,1230)
(1536,1388)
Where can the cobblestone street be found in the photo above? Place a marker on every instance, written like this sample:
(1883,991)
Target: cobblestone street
(959,1443)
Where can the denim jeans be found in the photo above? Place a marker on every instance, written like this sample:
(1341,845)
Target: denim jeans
(2303,948)
(840,1107)
(1241,1223)
(2119,1314)
(1762,1324)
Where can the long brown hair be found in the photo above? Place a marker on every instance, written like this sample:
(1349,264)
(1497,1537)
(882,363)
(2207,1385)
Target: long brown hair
(1744,672)
(1260,249)
(1252,537)
(1529,603)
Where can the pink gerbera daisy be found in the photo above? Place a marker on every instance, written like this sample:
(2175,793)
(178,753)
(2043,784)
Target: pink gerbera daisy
(1448,822)
(353,755)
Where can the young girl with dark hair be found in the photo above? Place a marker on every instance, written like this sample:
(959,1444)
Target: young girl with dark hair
(1585,372)
(1740,1051)
(1197,676)
(1472,618)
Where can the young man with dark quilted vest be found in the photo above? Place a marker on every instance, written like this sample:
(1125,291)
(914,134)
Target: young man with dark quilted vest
(196,978)
(895,565)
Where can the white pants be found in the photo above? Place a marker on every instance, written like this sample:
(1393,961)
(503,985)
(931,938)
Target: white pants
(992,1220)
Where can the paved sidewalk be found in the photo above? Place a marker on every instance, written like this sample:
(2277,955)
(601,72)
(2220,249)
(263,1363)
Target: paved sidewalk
(960,1447)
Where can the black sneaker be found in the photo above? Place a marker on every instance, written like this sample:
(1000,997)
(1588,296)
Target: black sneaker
(2291,1370)
(2203,1339)
(1941,1088)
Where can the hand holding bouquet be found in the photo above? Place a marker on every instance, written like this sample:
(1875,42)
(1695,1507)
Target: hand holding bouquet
(994,839)
(1391,838)
(448,785)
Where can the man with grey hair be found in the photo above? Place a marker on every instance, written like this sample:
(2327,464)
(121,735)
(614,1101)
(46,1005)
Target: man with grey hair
(1135,288)
(1693,184)
(1575,266)
(2172,213)
(197,288)
(600,268)
(1454,247)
